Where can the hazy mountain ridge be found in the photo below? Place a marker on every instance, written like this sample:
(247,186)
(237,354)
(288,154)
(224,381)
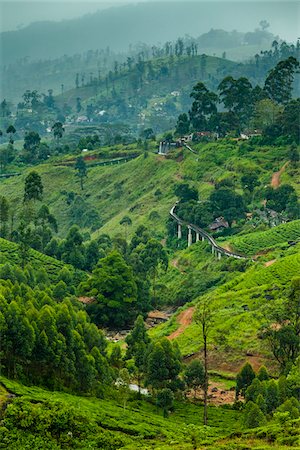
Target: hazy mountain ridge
(117,27)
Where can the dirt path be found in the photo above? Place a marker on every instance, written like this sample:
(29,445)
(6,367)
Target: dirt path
(275,182)
(269,263)
(184,319)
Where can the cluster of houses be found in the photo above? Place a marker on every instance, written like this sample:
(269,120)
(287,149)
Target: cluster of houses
(166,146)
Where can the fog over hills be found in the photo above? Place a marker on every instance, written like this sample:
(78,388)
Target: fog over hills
(151,22)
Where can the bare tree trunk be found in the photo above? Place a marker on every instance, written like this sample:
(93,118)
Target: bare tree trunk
(206,378)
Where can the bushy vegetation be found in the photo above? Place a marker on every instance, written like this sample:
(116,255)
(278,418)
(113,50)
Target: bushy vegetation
(86,246)
(267,399)
(253,243)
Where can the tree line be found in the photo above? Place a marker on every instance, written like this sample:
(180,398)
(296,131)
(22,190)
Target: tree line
(270,108)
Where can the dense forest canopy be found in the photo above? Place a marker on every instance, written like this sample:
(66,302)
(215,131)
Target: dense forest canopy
(149,234)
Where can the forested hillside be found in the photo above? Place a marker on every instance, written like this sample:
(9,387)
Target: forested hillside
(149,257)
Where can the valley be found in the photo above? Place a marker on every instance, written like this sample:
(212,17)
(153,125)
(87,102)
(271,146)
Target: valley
(149,236)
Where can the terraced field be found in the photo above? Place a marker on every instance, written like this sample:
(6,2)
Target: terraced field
(9,253)
(238,314)
(253,243)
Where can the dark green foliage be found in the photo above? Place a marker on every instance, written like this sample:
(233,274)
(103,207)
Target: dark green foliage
(33,189)
(137,342)
(115,359)
(228,204)
(81,169)
(49,343)
(113,285)
(31,145)
(197,213)
(284,341)
(294,155)
(194,375)
(279,199)
(4,216)
(278,84)
(72,250)
(262,374)
(11,131)
(289,123)
(283,390)
(137,337)
(254,390)
(272,396)
(250,181)
(203,107)
(92,255)
(60,290)
(244,379)
(163,364)
(165,400)
(236,96)
(58,131)
(183,125)
(261,403)
(253,416)
(185,193)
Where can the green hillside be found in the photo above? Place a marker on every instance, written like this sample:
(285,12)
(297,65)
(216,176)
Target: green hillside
(10,253)
(253,243)
(96,423)
(239,308)
(144,187)
(150,231)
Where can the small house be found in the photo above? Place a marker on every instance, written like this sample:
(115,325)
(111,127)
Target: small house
(218,224)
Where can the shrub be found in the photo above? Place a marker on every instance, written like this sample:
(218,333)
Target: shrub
(253,416)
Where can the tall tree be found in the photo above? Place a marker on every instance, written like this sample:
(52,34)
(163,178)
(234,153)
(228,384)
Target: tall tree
(244,379)
(33,187)
(31,143)
(204,318)
(165,399)
(203,106)
(236,95)
(137,342)
(11,131)
(58,131)
(183,124)
(4,215)
(279,82)
(163,364)
(80,167)
(194,375)
(113,285)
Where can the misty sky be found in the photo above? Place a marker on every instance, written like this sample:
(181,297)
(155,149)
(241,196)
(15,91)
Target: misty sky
(16,14)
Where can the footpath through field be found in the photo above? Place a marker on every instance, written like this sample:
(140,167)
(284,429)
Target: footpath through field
(275,182)
(184,319)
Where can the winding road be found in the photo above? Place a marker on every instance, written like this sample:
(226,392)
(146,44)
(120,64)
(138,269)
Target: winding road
(205,235)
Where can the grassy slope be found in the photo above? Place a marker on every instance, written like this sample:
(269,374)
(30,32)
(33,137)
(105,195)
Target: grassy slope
(143,427)
(252,243)
(129,188)
(142,423)
(238,307)
(113,191)
(9,252)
